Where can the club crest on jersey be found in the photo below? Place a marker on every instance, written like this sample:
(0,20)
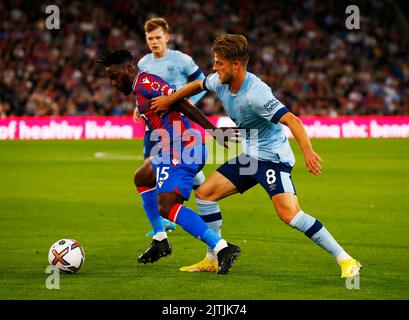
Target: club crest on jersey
(242,111)
(175,162)
(155,85)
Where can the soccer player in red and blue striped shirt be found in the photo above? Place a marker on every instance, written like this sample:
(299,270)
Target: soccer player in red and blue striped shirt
(180,155)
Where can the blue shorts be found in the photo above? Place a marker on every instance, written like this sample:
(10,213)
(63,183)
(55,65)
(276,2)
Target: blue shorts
(147,144)
(274,177)
(178,176)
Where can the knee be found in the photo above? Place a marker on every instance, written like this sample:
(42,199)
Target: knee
(137,179)
(286,218)
(286,213)
(203,193)
(144,177)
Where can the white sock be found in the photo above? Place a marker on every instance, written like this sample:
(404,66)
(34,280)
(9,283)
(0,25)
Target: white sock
(342,256)
(211,256)
(160,236)
(220,245)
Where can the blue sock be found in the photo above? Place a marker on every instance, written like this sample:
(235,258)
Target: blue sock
(210,213)
(314,230)
(192,223)
(150,204)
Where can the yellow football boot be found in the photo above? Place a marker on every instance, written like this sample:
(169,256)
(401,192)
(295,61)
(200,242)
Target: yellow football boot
(206,265)
(350,268)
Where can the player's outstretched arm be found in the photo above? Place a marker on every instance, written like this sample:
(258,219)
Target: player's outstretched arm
(194,114)
(312,160)
(222,135)
(163,104)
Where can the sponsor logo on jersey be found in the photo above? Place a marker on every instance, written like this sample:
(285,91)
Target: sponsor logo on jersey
(271,105)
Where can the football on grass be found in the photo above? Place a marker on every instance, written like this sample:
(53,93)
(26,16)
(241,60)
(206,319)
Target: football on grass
(66,255)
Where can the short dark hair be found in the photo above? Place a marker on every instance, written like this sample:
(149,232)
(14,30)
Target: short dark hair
(108,58)
(232,47)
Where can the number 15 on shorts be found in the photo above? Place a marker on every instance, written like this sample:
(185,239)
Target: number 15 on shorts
(162,175)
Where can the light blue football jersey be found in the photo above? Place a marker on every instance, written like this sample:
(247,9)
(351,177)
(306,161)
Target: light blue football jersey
(255,107)
(176,68)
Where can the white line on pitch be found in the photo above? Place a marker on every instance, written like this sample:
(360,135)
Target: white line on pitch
(113,156)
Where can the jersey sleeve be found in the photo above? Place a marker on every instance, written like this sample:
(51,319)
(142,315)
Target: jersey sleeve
(140,65)
(142,62)
(192,72)
(153,86)
(266,105)
(189,67)
(211,82)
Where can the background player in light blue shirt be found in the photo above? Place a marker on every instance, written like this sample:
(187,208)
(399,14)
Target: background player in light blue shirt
(252,105)
(178,69)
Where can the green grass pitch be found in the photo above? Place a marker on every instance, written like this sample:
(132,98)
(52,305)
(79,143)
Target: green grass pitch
(58,189)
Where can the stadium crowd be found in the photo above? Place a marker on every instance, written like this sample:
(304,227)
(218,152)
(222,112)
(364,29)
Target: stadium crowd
(302,49)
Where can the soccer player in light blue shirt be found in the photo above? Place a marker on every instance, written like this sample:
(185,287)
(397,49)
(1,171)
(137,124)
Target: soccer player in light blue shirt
(178,69)
(252,106)
(249,108)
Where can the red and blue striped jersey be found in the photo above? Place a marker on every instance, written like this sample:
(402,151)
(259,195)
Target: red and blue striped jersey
(147,86)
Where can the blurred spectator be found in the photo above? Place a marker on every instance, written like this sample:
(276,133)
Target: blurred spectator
(302,49)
